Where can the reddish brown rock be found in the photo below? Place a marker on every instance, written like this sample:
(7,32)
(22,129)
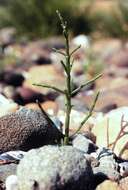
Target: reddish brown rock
(24,95)
(120,59)
(48,106)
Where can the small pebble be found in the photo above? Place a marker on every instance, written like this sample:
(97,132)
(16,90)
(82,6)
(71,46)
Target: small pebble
(11,182)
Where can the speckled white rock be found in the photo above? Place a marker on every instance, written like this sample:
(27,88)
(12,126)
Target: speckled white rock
(54,168)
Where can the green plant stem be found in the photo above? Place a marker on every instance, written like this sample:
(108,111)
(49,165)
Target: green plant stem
(75,50)
(86,84)
(88,115)
(49,86)
(58,51)
(68,91)
(67,67)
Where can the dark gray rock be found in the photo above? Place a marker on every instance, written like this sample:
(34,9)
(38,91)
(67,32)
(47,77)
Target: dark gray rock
(27,129)
(40,60)
(84,144)
(54,168)
(11,78)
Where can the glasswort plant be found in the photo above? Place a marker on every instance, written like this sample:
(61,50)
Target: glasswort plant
(67,64)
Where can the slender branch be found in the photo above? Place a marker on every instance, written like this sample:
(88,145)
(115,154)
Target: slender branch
(75,50)
(39,105)
(72,62)
(88,115)
(86,84)
(67,67)
(123,149)
(107,132)
(64,66)
(46,115)
(121,133)
(49,86)
(63,24)
(58,51)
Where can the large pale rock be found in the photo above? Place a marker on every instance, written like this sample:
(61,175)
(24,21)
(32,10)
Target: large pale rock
(123,184)
(45,74)
(107,184)
(54,168)
(108,128)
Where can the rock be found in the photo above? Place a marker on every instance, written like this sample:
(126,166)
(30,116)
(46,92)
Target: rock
(75,118)
(116,72)
(36,53)
(84,144)
(50,107)
(7,36)
(107,47)
(11,182)
(24,96)
(107,184)
(54,42)
(107,167)
(11,157)
(6,106)
(124,168)
(108,128)
(115,82)
(113,92)
(41,59)
(82,40)
(103,152)
(11,78)
(125,154)
(54,168)
(79,106)
(108,108)
(120,59)
(123,183)
(7,170)
(27,129)
(8,91)
(45,74)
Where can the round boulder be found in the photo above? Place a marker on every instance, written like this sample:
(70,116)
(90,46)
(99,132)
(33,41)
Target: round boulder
(54,168)
(27,129)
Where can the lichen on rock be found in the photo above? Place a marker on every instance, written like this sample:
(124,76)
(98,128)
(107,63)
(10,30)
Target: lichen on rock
(54,168)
